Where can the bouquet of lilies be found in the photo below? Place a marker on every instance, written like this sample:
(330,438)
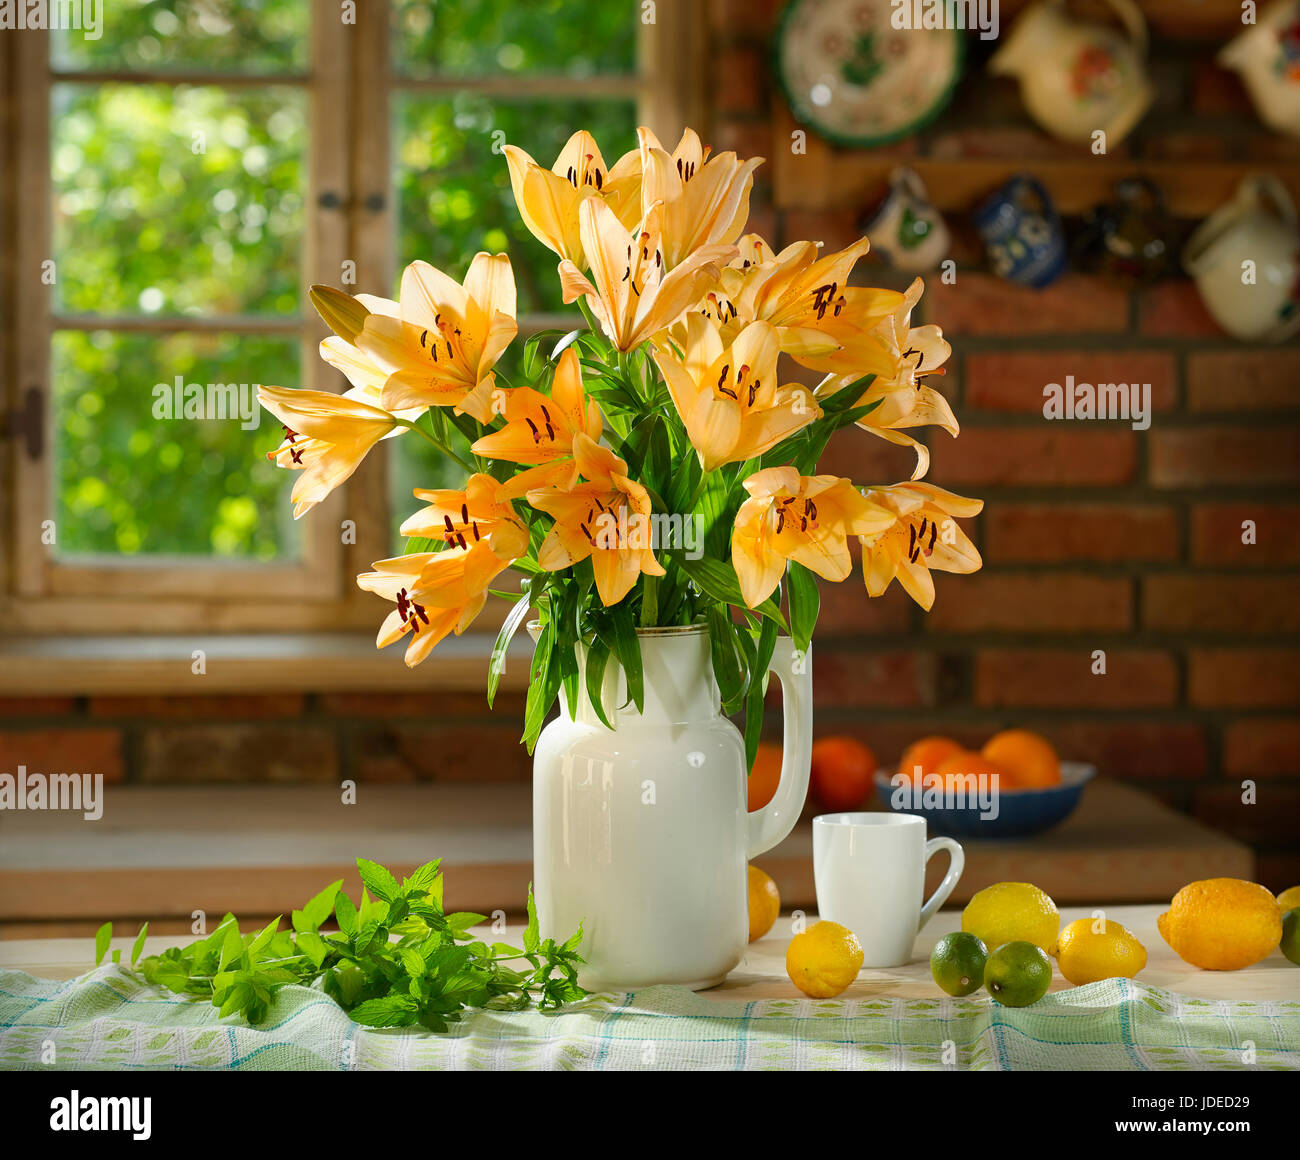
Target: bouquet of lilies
(655,468)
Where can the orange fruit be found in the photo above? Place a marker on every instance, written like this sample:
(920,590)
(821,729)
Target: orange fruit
(1222,924)
(824,960)
(764,903)
(842,769)
(965,763)
(1029,758)
(928,752)
(765,775)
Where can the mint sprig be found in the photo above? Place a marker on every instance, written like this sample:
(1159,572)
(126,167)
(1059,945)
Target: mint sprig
(396,960)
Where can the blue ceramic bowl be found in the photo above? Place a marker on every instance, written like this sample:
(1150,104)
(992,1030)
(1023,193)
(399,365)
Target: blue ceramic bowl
(1020,812)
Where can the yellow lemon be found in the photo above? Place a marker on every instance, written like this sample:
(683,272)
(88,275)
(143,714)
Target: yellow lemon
(1090,950)
(823,960)
(1222,924)
(1012,912)
(764,903)
(1289,899)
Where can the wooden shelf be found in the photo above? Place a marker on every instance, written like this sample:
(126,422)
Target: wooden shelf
(261,850)
(828,178)
(1174,19)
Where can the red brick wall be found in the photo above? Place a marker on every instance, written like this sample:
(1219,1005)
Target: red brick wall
(1094,537)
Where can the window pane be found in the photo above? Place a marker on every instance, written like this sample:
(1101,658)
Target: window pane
(511,38)
(246,36)
(453,191)
(129,482)
(454,199)
(184,200)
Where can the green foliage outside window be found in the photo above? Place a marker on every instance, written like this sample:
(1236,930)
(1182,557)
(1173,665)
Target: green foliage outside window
(182,199)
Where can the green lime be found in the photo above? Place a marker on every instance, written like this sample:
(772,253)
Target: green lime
(1018,974)
(957,963)
(1291,935)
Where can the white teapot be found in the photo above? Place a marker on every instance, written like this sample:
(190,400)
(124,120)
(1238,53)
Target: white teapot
(1245,258)
(1078,77)
(1267,56)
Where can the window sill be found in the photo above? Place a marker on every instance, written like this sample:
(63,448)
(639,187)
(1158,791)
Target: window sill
(246,663)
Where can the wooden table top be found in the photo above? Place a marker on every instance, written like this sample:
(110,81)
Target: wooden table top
(762,973)
(162,852)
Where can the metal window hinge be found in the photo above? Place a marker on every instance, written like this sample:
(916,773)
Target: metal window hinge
(27,423)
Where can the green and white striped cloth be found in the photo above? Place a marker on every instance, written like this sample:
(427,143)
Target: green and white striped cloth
(110,1019)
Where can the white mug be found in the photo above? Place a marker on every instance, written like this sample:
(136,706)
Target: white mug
(870,876)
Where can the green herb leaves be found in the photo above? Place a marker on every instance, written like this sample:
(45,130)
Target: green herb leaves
(397,960)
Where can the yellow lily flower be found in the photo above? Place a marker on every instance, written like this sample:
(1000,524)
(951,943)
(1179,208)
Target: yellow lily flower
(606,517)
(910,352)
(326,436)
(729,397)
(905,401)
(719,304)
(804,518)
(477,513)
(436,593)
(440,349)
(548,199)
(631,291)
(925,537)
(806,299)
(705,200)
(541,430)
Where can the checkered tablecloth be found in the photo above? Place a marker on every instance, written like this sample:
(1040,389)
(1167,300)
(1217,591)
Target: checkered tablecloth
(110,1019)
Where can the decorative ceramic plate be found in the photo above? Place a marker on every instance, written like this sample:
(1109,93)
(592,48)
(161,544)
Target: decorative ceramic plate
(854,78)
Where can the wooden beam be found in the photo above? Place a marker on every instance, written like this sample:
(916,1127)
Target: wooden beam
(827,178)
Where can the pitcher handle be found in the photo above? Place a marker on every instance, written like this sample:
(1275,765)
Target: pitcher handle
(1136,26)
(956,864)
(1265,188)
(775,820)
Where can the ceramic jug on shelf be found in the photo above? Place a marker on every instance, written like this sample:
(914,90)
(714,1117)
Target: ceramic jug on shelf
(1245,258)
(1078,77)
(1267,57)
(642,832)
(1131,237)
(906,229)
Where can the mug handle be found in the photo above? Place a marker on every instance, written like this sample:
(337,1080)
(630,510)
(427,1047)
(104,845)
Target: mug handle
(956,863)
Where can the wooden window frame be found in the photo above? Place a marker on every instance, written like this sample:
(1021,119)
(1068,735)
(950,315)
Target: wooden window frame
(349,87)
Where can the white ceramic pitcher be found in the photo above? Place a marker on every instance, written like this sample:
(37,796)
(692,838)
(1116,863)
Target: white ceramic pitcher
(1267,56)
(1077,77)
(642,833)
(1245,258)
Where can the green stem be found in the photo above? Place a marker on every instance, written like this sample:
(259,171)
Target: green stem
(438,443)
(649,601)
(592,324)
(699,491)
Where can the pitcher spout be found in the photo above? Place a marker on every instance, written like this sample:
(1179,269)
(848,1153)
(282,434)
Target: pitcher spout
(1026,41)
